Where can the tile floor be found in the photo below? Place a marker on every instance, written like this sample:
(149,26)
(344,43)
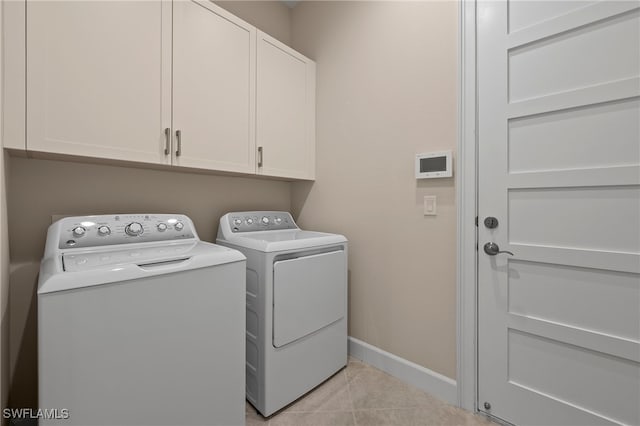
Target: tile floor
(365,396)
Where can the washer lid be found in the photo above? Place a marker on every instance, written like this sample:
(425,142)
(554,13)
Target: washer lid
(290,239)
(94,267)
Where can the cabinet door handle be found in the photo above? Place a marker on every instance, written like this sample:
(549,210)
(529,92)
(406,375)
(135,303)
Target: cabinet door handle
(178,143)
(260,156)
(167,141)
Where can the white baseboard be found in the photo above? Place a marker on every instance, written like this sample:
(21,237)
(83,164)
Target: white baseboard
(424,379)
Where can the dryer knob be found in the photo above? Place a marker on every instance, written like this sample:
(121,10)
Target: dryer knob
(79,231)
(162,227)
(278,220)
(104,230)
(265,220)
(237,222)
(134,229)
(179,226)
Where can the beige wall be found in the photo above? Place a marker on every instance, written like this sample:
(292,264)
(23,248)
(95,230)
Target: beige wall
(272,17)
(42,188)
(386,75)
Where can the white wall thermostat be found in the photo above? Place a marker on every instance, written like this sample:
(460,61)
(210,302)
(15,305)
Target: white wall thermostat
(434,165)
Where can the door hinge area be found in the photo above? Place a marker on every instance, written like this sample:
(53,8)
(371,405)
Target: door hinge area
(476,221)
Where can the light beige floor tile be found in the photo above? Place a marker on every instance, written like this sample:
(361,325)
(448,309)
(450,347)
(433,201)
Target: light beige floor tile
(354,368)
(451,415)
(363,395)
(415,417)
(332,395)
(396,417)
(327,418)
(374,389)
(252,417)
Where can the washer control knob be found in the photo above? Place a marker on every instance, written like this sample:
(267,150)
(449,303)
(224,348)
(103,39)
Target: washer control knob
(104,230)
(265,220)
(249,221)
(79,231)
(278,220)
(237,222)
(179,226)
(134,229)
(162,227)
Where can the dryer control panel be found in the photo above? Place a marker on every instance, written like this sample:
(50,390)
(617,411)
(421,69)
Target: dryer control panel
(105,230)
(260,221)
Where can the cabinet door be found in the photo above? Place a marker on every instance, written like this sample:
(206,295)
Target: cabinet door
(285,131)
(98,78)
(213,88)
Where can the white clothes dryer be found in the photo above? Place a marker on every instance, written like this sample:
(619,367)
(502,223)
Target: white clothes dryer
(140,323)
(296,305)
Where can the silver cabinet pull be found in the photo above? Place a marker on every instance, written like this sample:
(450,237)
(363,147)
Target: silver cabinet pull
(260,154)
(178,143)
(167,141)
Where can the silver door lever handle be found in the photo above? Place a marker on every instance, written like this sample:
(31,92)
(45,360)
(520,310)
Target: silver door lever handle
(492,249)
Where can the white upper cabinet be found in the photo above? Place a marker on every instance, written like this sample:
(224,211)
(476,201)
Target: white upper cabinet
(98,78)
(182,83)
(285,131)
(213,88)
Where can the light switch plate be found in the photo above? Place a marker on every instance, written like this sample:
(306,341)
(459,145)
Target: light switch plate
(430,207)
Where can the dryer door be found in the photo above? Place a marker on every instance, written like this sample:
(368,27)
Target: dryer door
(309,293)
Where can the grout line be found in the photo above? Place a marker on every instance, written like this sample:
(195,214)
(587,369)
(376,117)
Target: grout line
(389,409)
(353,411)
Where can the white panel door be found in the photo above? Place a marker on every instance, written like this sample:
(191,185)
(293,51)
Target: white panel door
(559,167)
(285,111)
(98,78)
(213,88)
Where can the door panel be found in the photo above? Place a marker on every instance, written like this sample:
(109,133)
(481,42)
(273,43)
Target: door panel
(523,13)
(98,78)
(531,283)
(581,57)
(559,166)
(213,88)
(603,135)
(606,217)
(573,375)
(308,294)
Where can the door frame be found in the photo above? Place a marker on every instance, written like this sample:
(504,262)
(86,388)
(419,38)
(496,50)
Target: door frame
(467,201)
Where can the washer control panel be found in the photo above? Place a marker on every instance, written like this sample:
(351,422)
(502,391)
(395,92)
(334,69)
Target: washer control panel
(105,230)
(82,260)
(260,221)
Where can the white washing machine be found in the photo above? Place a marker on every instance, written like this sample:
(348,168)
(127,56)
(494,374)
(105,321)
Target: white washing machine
(296,305)
(140,323)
